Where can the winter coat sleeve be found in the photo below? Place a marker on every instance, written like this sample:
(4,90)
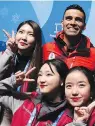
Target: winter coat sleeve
(11,102)
(5,59)
(8,82)
(76,124)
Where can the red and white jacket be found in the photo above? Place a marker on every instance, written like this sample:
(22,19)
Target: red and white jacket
(81,55)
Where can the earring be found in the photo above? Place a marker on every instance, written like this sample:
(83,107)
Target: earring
(61,84)
(91,98)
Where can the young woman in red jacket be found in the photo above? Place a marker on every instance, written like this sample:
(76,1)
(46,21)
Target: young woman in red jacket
(80,92)
(45,108)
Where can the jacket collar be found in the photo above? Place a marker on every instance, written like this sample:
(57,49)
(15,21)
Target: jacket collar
(81,49)
(47,109)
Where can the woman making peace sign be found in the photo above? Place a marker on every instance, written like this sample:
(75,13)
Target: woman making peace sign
(23,52)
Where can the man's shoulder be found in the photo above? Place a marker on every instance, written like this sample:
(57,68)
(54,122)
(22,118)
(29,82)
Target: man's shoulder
(50,46)
(88,41)
(92,51)
(51,50)
(49,43)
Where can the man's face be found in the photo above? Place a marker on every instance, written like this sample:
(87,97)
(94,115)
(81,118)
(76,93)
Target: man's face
(73,22)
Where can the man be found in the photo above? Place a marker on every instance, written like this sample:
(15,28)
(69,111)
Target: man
(70,44)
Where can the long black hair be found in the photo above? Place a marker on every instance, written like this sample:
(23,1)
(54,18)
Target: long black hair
(36,54)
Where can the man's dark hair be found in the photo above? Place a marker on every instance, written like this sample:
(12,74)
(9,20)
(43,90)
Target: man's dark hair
(77,7)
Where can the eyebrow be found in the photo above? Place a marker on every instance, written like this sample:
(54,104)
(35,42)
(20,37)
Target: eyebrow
(81,82)
(24,30)
(66,17)
(79,18)
(68,83)
(45,71)
(78,82)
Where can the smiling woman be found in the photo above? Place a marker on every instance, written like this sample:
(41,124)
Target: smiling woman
(80,92)
(42,109)
(77,88)
(50,79)
(25,40)
(23,52)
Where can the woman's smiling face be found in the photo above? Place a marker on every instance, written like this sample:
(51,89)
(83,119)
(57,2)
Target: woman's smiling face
(25,38)
(48,80)
(77,88)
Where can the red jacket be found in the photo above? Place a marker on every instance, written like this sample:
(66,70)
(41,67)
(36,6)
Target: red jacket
(22,115)
(91,121)
(82,55)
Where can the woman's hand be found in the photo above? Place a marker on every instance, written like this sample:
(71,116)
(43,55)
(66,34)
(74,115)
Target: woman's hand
(11,42)
(22,77)
(83,113)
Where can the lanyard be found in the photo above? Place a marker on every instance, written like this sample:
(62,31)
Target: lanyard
(27,66)
(56,121)
(33,114)
(25,70)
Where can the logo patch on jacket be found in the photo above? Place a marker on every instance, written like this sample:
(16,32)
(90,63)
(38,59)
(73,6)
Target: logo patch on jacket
(51,56)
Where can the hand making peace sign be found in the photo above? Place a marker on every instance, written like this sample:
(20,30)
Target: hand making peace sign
(11,42)
(22,76)
(83,113)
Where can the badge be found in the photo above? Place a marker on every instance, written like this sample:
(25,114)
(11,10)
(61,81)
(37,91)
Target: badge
(51,56)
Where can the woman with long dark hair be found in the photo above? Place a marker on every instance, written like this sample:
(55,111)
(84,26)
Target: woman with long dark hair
(23,52)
